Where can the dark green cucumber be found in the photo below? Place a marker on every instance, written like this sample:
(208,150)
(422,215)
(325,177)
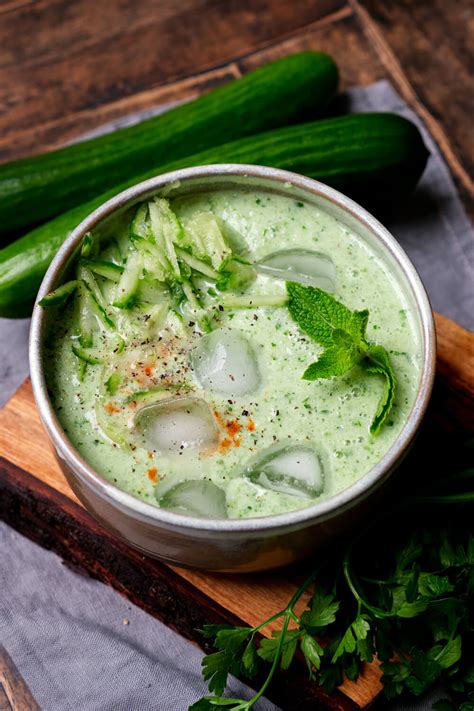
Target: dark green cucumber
(283,92)
(370,156)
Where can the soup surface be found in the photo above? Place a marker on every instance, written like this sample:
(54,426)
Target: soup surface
(176,367)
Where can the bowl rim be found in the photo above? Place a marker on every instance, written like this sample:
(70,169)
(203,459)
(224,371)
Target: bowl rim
(315,513)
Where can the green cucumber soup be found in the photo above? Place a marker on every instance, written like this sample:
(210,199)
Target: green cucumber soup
(230,353)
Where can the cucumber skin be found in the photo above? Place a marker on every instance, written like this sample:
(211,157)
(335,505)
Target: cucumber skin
(35,189)
(375,156)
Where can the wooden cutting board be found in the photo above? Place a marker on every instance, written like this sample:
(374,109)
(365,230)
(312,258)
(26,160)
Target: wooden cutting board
(37,501)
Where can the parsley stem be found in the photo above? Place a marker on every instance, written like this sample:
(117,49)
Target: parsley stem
(351,582)
(267,621)
(301,590)
(276,661)
(288,615)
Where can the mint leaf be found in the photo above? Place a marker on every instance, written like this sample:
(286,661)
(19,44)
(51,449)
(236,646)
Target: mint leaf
(342,334)
(318,314)
(377,362)
(335,360)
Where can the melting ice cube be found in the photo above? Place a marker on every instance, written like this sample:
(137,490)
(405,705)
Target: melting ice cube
(174,425)
(196,497)
(224,362)
(304,266)
(291,469)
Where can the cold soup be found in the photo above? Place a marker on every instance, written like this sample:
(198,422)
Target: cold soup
(232,353)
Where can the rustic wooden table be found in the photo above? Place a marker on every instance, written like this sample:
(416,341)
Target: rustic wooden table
(68,67)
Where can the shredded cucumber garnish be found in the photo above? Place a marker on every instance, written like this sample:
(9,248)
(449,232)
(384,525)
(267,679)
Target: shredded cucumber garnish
(197,264)
(103,268)
(164,275)
(59,296)
(166,232)
(127,287)
(253,301)
(89,355)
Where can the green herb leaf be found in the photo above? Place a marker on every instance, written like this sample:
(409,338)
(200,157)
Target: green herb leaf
(377,363)
(330,678)
(215,669)
(342,356)
(323,610)
(231,639)
(318,314)
(269,647)
(312,651)
(342,334)
(250,659)
(356,632)
(450,654)
(210,631)
(230,643)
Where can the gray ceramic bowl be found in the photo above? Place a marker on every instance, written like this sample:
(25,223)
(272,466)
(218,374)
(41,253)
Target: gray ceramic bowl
(255,543)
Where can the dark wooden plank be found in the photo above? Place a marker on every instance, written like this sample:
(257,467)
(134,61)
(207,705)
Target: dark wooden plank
(363,56)
(341,35)
(62,28)
(54,521)
(64,129)
(437,118)
(433,41)
(86,54)
(14,692)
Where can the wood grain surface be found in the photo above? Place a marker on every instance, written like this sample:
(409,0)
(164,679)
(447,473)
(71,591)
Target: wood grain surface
(14,692)
(67,68)
(90,62)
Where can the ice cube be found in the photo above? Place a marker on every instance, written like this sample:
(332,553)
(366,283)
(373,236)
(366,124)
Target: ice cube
(175,425)
(225,362)
(304,266)
(290,469)
(196,497)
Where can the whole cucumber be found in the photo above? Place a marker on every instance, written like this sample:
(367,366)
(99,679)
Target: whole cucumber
(370,156)
(33,190)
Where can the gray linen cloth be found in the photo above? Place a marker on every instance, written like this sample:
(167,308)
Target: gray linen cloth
(66,633)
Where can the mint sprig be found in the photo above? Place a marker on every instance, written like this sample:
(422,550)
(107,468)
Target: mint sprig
(342,333)
(377,362)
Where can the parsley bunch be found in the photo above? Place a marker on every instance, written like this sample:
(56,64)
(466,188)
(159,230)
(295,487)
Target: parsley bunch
(402,590)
